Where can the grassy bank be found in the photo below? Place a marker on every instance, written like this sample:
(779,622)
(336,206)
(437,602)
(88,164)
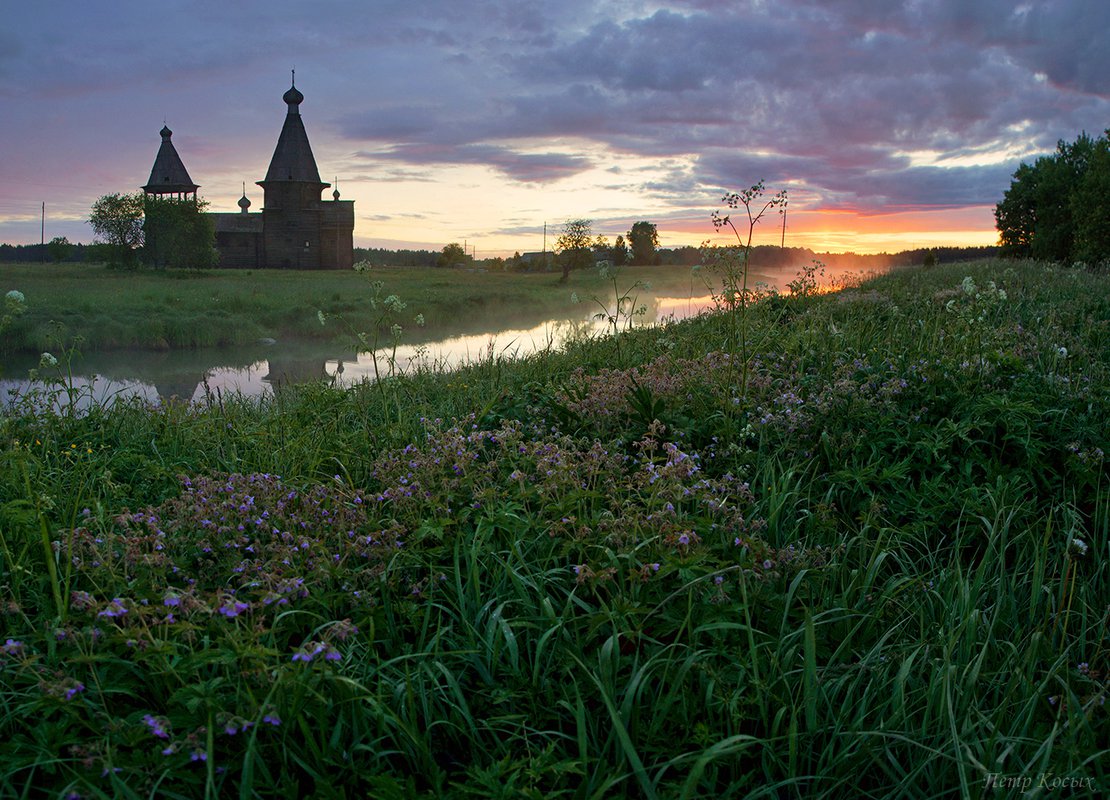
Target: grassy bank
(863,555)
(157,310)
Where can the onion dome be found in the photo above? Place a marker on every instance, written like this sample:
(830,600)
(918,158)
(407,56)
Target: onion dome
(244,203)
(293,97)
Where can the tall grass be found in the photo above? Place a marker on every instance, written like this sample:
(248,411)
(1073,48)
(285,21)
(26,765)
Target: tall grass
(881,571)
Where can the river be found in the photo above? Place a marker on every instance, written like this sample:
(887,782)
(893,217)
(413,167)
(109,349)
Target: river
(258,369)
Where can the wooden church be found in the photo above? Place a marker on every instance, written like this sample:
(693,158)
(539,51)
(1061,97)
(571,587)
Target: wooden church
(296,228)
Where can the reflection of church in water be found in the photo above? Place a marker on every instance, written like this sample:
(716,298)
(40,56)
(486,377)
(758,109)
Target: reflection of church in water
(296,229)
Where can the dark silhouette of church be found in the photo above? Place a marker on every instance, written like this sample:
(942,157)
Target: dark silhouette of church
(296,229)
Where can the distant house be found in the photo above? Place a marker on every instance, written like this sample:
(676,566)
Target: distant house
(295,229)
(537,260)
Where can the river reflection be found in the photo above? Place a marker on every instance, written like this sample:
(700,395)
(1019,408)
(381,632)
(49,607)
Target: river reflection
(259,369)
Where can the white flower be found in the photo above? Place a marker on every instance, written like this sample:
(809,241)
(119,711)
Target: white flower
(968,285)
(320,316)
(1077,548)
(574,298)
(419,320)
(47,360)
(15,296)
(396,330)
(1062,352)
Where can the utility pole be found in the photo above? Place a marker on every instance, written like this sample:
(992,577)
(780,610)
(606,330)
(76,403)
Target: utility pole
(783,243)
(42,233)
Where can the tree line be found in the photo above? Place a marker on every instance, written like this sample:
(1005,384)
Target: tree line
(1058,207)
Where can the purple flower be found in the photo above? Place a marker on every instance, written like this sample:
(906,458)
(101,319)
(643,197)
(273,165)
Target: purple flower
(74,690)
(768,563)
(719,580)
(12,647)
(309,651)
(115,609)
(655,567)
(158,726)
(272,719)
(684,539)
(233,608)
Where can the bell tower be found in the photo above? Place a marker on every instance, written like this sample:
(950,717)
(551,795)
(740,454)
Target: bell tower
(292,211)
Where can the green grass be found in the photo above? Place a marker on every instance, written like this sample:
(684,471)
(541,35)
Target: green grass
(160,310)
(879,570)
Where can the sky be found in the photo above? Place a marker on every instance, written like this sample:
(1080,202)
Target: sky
(891,125)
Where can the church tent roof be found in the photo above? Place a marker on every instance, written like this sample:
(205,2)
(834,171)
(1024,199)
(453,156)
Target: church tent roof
(169,175)
(293,159)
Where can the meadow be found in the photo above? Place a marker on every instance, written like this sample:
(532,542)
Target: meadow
(107,309)
(857,550)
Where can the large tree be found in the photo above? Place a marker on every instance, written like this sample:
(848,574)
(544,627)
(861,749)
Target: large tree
(178,234)
(118,220)
(453,254)
(1090,206)
(643,239)
(574,246)
(1056,208)
(620,252)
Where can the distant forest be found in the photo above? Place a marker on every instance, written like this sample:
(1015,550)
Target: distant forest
(764,257)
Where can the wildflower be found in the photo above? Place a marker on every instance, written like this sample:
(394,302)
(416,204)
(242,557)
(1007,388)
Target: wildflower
(1077,548)
(719,580)
(345,628)
(233,608)
(1084,668)
(768,563)
(198,755)
(15,296)
(159,726)
(12,647)
(321,317)
(684,539)
(271,719)
(309,651)
(115,609)
(1062,352)
(47,360)
(655,567)
(419,320)
(73,689)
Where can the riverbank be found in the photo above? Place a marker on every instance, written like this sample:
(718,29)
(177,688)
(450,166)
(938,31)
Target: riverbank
(159,310)
(860,549)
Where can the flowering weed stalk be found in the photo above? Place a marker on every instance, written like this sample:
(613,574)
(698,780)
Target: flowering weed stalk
(732,264)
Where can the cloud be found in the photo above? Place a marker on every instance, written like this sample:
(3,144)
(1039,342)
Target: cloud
(518,166)
(847,102)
